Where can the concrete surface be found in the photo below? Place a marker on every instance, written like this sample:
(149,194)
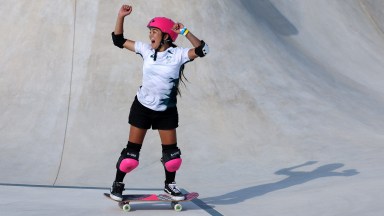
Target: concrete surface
(284,117)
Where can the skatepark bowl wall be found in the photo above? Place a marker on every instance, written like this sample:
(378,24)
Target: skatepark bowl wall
(285,115)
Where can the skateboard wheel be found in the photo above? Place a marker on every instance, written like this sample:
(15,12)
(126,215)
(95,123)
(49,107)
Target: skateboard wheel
(177,207)
(126,207)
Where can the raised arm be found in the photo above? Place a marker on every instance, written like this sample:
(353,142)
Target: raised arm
(118,34)
(200,47)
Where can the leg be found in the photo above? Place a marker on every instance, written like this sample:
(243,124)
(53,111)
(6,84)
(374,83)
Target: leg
(129,158)
(137,135)
(171,161)
(168,137)
(128,161)
(171,154)
(130,155)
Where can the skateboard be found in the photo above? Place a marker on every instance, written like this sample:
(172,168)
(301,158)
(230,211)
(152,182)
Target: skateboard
(125,206)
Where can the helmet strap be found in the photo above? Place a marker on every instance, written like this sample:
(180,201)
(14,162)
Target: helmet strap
(155,56)
(162,42)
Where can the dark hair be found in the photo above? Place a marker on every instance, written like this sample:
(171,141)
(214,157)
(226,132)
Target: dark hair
(181,73)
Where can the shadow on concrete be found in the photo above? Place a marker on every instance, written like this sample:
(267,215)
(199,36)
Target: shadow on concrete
(294,178)
(265,11)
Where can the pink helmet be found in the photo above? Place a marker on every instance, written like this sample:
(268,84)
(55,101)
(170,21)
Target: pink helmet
(165,25)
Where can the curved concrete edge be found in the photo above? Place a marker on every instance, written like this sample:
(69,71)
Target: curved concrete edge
(288,121)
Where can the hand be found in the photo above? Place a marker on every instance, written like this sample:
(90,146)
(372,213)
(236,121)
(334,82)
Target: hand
(177,27)
(125,10)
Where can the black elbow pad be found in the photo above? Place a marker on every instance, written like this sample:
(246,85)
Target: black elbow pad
(202,50)
(118,40)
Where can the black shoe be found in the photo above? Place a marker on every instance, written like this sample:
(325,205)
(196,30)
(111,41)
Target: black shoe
(174,191)
(117,191)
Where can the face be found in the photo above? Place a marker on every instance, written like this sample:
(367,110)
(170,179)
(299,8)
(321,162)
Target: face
(155,37)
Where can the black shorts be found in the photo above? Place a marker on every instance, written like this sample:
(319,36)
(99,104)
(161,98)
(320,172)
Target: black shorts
(145,118)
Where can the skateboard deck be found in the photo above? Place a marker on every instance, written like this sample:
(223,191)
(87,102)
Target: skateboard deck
(124,204)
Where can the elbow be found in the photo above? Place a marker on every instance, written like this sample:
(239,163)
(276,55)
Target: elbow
(202,50)
(118,40)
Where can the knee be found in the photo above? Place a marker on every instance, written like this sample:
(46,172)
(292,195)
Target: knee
(171,159)
(128,164)
(128,160)
(173,165)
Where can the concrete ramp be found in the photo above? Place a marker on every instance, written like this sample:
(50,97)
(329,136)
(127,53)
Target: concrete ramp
(284,116)
(36,64)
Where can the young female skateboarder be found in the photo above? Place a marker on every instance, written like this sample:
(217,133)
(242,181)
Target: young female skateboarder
(155,103)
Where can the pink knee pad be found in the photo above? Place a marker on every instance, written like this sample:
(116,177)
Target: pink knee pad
(128,164)
(173,165)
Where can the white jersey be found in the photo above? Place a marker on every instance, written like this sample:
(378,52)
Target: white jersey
(161,77)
